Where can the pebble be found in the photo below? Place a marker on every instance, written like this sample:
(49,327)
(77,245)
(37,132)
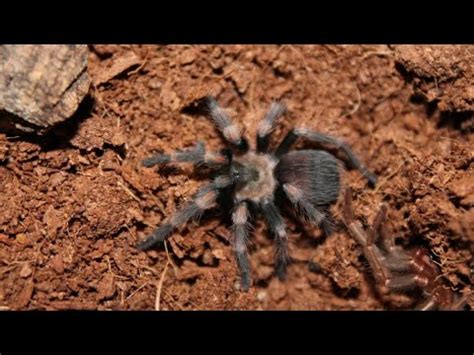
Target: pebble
(26,271)
(22,238)
(262,296)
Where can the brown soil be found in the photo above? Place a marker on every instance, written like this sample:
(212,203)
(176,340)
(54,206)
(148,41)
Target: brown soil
(75,202)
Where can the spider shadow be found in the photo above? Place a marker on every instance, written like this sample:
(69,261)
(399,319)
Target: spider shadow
(459,121)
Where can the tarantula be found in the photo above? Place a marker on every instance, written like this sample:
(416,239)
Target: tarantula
(397,269)
(308,178)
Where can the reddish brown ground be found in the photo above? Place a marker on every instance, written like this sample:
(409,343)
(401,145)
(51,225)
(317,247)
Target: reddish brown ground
(74,203)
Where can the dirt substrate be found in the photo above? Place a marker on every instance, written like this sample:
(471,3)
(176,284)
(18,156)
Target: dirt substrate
(75,202)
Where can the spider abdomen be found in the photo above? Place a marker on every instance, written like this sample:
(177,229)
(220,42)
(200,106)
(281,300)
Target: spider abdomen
(314,172)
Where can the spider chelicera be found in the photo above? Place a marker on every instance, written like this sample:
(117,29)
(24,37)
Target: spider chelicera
(309,180)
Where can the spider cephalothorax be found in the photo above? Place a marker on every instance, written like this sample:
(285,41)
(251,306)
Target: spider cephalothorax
(309,179)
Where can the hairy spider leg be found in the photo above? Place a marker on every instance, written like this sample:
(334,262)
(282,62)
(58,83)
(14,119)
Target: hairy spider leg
(229,129)
(295,195)
(196,156)
(277,226)
(203,200)
(240,215)
(268,124)
(317,137)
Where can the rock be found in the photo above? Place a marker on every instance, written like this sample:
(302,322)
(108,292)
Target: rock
(41,85)
(25,294)
(22,238)
(117,66)
(106,287)
(57,264)
(26,271)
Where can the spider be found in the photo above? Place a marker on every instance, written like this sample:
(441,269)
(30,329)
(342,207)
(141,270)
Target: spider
(309,179)
(396,269)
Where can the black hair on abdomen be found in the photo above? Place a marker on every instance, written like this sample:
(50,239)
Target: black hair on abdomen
(314,172)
